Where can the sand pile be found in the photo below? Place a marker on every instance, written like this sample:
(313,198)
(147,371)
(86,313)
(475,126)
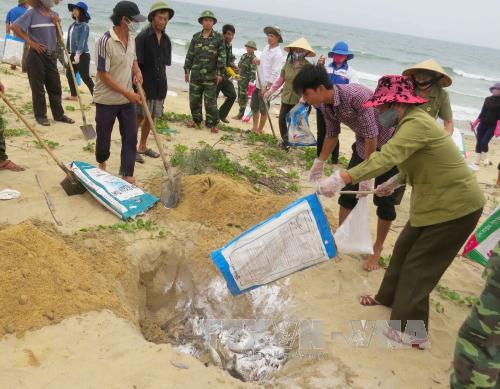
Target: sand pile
(44,280)
(218,201)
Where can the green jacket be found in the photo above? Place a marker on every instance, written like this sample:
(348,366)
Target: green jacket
(205,59)
(443,186)
(289,72)
(439,103)
(247,67)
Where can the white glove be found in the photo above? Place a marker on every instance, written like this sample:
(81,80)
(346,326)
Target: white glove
(387,188)
(365,186)
(331,185)
(76,59)
(316,172)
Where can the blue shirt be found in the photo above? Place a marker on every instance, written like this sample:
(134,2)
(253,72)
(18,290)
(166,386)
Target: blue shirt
(78,37)
(338,75)
(14,13)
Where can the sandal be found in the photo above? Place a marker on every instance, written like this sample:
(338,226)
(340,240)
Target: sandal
(405,339)
(368,301)
(43,121)
(150,153)
(138,158)
(65,119)
(9,165)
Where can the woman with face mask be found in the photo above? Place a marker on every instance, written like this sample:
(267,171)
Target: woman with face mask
(296,59)
(429,79)
(446,204)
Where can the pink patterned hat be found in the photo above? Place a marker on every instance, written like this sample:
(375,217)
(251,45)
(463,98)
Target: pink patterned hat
(394,89)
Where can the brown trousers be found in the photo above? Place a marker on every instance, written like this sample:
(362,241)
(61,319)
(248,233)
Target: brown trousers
(421,256)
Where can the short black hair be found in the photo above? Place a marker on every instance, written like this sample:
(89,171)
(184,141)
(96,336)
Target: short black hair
(116,19)
(311,77)
(228,27)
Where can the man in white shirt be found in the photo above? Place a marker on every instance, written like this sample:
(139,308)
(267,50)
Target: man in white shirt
(268,71)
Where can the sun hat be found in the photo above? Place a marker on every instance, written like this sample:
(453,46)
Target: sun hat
(207,14)
(251,44)
(302,43)
(433,66)
(341,48)
(130,10)
(82,6)
(275,30)
(394,89)
(495,86)
(159,6)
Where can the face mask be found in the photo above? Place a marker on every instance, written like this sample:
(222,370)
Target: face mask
(298,56)
(133,26)
(389,118)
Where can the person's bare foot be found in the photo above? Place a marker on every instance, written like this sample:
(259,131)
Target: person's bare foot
(371,263)
(9,165)
(368,301)
(214,130)
(102,166)
(129,179)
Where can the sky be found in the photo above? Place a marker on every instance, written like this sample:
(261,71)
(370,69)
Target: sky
(476,23)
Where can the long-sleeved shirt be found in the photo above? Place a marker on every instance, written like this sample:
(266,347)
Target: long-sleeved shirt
(443,186)
(347,108)
(269,69)
(490,113)
(206,57)
(341,75)
(78,38)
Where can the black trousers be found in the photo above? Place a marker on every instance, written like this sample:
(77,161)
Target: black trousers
(43,75)
(285,108)
(321,132)
(227,89)
(421,256)
(84,69)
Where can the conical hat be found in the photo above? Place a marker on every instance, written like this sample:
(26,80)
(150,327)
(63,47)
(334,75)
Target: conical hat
(432,65)
(302,43)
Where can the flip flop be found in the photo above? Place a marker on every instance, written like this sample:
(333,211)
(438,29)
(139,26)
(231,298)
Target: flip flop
(368,301)
(9,165)
(150,153)
(407,340)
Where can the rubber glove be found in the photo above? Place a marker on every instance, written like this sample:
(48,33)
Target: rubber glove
(330,186)
(76,59)
(387,188)
(317,169)
(365,186)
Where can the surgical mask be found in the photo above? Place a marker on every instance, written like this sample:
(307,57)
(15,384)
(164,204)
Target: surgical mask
(298,56)
(132,26)
(389,118)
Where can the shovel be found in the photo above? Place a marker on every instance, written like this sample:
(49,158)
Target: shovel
(70,184)
(87,129)
(265,105)
(171,186)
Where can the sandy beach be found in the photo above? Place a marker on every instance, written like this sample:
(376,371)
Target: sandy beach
(80,306)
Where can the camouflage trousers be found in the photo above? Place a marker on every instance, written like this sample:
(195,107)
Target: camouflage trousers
(200,91)
(242,96)
(3,148)
(477,351)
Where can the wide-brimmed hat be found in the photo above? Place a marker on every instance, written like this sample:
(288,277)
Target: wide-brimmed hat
(251,44)
(275,30)
(341,48)
(394,89)
(82,6)
(130,10)
(495,86)
(433,66)
(207,14)
(302,43)
(160,6)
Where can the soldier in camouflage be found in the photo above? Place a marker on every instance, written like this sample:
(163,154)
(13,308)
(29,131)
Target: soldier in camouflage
(226,86)
(204,67)
(247,75)
(477,352)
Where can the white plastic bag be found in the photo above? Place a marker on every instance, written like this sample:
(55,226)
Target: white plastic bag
(13,50)
(353,236)
(299,132)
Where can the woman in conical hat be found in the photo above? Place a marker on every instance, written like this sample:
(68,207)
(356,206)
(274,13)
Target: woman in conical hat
(429,79)
(296,59)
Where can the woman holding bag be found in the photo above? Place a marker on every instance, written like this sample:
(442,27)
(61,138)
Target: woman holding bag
(78,36)
(446,204)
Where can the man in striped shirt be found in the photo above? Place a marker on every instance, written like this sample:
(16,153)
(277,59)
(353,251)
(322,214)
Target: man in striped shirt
(114,96)
(37,27)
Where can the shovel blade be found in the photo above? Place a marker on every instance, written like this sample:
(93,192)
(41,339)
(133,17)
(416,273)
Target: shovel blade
(88,131)
(170,190)
(72,186)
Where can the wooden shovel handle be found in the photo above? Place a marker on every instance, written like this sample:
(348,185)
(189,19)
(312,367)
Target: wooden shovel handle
(35,133)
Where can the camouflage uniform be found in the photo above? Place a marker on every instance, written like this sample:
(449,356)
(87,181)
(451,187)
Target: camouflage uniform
(226,86)
(477,351)
(247,75)
(205,61)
